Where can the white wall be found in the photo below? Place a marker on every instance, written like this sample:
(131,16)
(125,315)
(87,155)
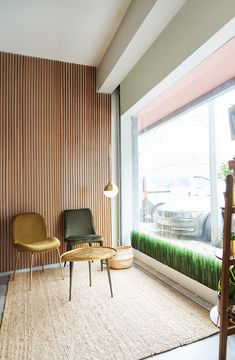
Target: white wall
(195,24)
(195,287)
(115,202)
(198,29)
(133,19)
(126,180)
(141,25)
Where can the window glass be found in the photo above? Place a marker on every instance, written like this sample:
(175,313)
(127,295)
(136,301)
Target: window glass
(177,164)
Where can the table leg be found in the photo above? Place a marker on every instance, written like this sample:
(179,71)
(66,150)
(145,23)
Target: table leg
(70,278)
(89,264)
(69,247)
(110,284)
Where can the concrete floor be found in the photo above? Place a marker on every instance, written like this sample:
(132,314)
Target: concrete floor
(206,349)
(3,291)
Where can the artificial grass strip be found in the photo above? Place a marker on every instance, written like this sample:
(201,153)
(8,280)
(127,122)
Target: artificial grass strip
(202,268)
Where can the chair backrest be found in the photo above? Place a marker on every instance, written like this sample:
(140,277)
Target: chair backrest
(78,222)
(28,227)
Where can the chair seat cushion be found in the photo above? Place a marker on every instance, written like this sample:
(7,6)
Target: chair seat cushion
(85,238)
(50,243)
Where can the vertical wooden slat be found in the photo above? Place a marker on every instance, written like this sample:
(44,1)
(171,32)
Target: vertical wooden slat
(54,139)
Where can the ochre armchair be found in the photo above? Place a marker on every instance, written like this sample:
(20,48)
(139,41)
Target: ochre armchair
(30,235)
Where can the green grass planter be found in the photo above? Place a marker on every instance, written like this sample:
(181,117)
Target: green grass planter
(204,269)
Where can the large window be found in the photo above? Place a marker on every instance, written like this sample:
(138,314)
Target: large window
(176,193)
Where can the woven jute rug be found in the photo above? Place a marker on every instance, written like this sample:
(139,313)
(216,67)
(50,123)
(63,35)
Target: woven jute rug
(144,317)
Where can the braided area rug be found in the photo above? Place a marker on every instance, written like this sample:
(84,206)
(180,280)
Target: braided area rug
(144,317)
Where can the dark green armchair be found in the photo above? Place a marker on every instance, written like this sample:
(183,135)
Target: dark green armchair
(79,228)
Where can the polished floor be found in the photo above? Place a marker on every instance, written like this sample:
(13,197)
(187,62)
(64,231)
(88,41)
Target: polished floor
(206,349)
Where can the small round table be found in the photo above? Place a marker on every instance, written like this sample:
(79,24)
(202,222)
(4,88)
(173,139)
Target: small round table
(88,254)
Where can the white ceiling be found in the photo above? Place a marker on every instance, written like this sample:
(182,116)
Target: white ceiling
(76,31)
(109,34)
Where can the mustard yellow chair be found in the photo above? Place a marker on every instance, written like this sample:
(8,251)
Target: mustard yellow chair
(30,235)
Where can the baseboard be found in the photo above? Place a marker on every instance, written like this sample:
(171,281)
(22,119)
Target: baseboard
(49,266)
(193,286)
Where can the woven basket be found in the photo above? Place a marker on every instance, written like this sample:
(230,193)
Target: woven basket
(123,258)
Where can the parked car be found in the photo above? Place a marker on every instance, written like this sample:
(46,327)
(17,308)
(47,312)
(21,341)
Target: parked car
(180,207)
(189,218)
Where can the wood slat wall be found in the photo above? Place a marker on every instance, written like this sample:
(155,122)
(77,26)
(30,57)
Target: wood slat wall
(55,132)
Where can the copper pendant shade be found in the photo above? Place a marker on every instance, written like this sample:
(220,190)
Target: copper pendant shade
(110,190)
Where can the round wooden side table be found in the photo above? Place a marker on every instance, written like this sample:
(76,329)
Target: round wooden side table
(88,254)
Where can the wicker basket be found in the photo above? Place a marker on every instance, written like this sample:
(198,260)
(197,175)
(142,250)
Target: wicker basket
(123,258)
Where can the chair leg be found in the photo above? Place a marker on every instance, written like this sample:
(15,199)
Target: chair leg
(31,272)
(42,258)
(62,273)
(16,262)
(89,266)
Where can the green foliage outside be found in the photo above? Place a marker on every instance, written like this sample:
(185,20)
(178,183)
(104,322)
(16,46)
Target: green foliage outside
(204,269)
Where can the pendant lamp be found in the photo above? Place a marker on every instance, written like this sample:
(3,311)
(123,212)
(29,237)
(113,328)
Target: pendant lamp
(110,190)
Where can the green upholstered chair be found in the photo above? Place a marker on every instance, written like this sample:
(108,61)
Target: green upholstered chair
(30,235)
(79,228)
